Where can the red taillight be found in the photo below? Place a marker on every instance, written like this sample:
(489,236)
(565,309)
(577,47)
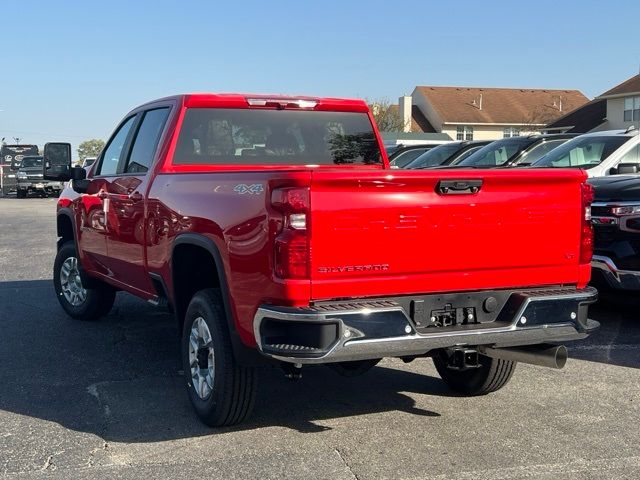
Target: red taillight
(291,253)
(586,234)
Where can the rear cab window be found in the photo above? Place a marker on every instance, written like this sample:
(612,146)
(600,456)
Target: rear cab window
(236,136)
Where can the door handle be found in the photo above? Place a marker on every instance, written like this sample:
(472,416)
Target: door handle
(458,187)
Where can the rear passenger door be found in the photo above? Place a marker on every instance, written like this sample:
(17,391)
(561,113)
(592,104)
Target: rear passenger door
(125,201)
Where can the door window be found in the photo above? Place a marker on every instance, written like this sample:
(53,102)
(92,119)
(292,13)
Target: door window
(632,156)
(539,151)
(146,141)
(113,152)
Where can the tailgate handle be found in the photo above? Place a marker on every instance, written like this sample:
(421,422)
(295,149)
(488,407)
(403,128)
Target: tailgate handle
(458,187)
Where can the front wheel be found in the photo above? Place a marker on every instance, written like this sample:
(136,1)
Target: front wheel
(77,300)
(221,391)
(491,375)
(21,194)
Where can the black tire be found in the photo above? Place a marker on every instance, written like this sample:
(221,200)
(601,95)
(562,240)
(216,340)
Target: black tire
(234,388)
(355,368)
(21,194)
(492,375)
(99,298)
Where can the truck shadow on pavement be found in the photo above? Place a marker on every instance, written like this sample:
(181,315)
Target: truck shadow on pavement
(617,342)
(120,379)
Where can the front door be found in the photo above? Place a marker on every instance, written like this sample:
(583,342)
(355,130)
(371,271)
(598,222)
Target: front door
(93,206)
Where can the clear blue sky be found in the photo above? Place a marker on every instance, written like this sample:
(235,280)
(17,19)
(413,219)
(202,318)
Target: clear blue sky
(71,69)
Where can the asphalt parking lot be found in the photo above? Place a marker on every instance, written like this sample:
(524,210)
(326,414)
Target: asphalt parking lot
(106,399)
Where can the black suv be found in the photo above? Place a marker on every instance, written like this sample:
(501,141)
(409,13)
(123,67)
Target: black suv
(615,214)
(514,151)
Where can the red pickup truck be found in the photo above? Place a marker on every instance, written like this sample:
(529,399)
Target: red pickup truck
(275,230)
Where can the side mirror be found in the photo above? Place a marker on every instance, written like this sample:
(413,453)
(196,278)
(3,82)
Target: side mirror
(625,169)
(57,162)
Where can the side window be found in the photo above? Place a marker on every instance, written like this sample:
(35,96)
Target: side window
(632,156)
(112,153)
(541,150)
(146,141)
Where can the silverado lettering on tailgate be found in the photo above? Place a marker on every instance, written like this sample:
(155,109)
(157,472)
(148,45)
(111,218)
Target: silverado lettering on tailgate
(381,267)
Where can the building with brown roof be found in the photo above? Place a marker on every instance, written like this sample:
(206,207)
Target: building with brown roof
(615,109)
(588,117)
(623,105)
(466,113)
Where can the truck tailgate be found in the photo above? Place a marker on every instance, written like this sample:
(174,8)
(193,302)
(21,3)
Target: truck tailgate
(381,233)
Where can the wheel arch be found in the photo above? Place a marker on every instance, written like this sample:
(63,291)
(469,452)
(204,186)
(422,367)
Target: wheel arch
(194,244)
(65,227)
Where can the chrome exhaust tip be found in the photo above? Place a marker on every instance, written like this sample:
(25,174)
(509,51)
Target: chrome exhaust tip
(544,355)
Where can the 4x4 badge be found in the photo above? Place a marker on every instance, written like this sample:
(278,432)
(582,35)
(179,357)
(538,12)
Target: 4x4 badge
(244,189)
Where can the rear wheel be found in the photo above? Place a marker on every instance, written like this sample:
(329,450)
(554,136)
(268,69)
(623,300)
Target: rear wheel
(490,376)
(79,301)
(21,194)
(221,391)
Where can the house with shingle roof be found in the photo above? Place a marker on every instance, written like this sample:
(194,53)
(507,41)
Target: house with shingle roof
(623,104)
(615,109)
(479,113)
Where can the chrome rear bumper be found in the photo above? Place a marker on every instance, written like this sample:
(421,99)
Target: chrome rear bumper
(615,278)
(362,330)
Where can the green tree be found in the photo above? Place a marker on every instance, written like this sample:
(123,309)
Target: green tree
(90,148)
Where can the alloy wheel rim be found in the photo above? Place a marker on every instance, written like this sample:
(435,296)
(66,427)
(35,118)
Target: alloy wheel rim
(71,283)
(201,358)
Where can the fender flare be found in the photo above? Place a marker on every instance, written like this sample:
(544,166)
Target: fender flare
(243,354)
(87,280)
(66,212)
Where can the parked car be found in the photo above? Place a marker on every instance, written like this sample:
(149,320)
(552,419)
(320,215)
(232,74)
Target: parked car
(615,215)
(514,151)
(404,155)
(599,153)
(445,154)
(30,180)
(213,205)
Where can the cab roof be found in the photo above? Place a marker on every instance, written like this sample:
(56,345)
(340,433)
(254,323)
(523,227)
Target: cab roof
(261,101)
